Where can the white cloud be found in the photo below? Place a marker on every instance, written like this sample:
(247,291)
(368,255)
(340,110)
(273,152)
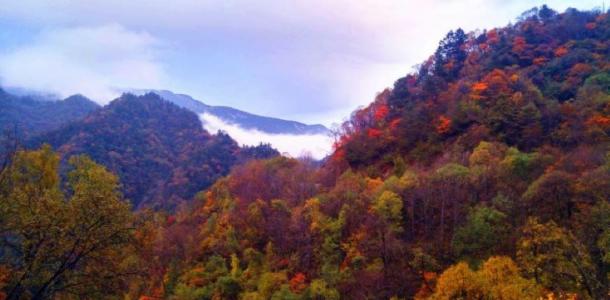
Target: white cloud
(316,146)
(297,59)
(93,61)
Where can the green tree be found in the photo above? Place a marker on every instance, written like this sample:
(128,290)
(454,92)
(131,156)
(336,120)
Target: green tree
(481,236)
(450,188)
(388,206)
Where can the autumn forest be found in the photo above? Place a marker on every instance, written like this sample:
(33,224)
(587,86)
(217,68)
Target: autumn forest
(482,174)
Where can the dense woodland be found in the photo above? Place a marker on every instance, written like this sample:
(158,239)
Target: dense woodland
(484,174)
(160,151)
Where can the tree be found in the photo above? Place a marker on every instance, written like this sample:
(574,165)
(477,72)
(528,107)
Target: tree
(550,196)
(555,259)
(319,289)
(449,183)
(64,245)
(387,224)
(398,98)
(388,206)
(498,278)
(450,55)
(484,162)
(501,279)
(481,236)
(458,282)
(594,230)
(545,13)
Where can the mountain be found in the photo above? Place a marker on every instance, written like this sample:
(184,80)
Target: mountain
(485,174)
(160,151)
(240,118)
(542,82)
(30,115)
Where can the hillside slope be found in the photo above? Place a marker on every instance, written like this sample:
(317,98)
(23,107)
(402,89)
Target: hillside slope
(30,116)
(543,81)
(160,151)
(485,175)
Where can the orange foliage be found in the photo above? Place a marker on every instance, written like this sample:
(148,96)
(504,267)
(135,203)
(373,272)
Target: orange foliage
(297,283)
(580,69)
(601,121)
(381,112)
(498,82)
(540,60)
(495,83)
(443,124)
(492,36)
(519,44)
(394,124)
(338,154)
(479,87)
(429,276)
(373,184)
(561,51)
(374,133)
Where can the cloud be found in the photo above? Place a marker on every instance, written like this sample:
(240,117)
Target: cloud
(316,146)
(309,60)
(93,61)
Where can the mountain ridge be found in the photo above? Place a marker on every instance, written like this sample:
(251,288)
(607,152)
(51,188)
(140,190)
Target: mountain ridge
(30,115)
(488,167)
(160,151)
(238,117)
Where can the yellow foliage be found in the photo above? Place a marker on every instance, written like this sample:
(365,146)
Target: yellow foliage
(498,278)
(458,281)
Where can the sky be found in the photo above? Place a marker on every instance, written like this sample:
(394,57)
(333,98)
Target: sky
(313,61)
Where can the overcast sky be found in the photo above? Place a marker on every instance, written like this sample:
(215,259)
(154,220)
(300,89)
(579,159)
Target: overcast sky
(311,60)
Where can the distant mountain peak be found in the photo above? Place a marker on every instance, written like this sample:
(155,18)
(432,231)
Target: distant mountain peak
(78,98)
(160,151)
(238,117)
(32,115)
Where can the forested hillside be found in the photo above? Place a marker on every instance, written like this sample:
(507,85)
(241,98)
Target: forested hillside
(485,174)
(160,151)
(540,83)
(27,116)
